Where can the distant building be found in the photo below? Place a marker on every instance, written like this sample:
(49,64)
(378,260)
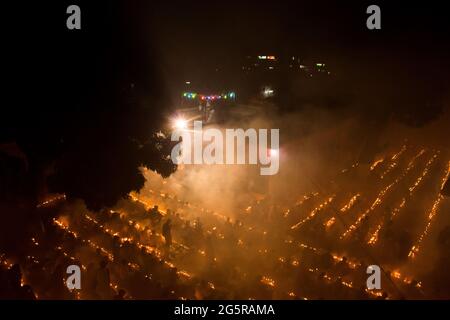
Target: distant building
(260,63)
(285,77)
(273,63)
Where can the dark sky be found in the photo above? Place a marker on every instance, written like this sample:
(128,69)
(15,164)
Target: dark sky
(185,33)
(208,29)
(154,43)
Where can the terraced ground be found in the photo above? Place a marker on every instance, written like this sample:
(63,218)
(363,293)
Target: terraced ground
(390,214)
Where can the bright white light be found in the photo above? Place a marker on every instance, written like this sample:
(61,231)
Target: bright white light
(273,152)
(180,123)
(268,92)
